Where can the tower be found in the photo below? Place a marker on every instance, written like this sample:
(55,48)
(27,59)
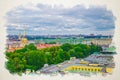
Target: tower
(24,34)
(24,40)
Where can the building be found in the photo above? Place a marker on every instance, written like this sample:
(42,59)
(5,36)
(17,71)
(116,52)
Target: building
(16,45)
(91,64)
(102,42)
(41,46)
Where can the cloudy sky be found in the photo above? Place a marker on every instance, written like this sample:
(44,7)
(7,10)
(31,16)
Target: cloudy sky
(46,19)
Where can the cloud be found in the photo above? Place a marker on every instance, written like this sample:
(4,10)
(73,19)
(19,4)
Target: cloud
(46,19)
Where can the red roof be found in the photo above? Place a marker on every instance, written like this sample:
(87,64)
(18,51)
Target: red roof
(40,46)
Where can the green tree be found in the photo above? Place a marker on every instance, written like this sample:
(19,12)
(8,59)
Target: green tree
(71,52)
(57,59)
(49,58)
(31,47)
(66,47)
(36,59)
(31,58)
(61,54)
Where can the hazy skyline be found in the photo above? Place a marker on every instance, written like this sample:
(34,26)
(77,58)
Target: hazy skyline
(46,19)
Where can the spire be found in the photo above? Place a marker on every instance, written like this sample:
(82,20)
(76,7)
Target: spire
(24,39)
(24,35)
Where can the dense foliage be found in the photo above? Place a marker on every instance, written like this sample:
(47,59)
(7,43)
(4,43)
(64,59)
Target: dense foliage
(31,58)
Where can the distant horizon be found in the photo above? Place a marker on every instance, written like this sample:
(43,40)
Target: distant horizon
(64,34)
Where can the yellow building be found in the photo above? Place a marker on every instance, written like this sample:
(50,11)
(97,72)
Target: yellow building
(89,69)
(83,68)
(95,65)
(83,62)
(102,42)
(109,70)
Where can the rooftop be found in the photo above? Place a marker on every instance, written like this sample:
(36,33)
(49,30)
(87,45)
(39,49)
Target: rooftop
(40,46)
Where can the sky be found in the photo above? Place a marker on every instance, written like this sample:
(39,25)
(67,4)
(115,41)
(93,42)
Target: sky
(44,19)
